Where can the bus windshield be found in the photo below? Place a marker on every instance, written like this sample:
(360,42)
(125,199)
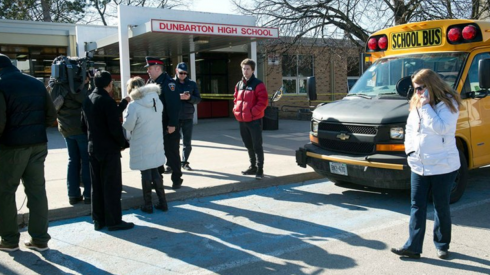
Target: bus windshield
(381,77)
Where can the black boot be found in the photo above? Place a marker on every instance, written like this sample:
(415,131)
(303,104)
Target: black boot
(147,207)
(162,201)
(252,170)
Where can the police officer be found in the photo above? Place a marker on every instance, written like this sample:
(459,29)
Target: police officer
(189,95)
(171,108)
(26,110)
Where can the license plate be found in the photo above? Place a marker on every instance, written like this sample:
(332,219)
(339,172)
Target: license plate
(338,168)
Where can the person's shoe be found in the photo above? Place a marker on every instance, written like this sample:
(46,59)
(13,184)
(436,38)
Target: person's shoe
(177,185)
(168,170)
(37,247)
(74,201)
(8,247)
(260,174)
(98,225)
(162,206)
(252,170)
(147,208)
(87,201)
(406,253)
(122,226)
(442,254)
(186,166)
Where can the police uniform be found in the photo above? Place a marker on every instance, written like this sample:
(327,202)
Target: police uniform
(171,108)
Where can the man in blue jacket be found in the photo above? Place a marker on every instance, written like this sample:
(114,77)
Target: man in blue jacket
(189,95)
(26,110)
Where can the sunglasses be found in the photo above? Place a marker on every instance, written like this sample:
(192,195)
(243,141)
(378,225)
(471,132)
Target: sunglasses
(419,88)
(184,73)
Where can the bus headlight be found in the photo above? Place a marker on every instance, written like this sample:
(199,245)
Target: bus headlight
(397,133)
(314,127)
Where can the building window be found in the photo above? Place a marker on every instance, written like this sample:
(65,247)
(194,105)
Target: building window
(295,70)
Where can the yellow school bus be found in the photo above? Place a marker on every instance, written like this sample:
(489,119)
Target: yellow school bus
(360,139)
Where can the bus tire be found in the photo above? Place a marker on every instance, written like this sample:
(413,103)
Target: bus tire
(459,184)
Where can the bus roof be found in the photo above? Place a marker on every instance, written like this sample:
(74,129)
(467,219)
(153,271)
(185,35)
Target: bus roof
(429,36)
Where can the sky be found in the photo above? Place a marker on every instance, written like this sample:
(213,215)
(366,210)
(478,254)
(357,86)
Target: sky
(217,6)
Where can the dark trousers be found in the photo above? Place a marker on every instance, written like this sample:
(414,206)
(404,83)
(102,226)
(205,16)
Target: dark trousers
(26,164)
(251,133)
(105,171)
(78,162)
(441,186)
(186,131)
(171,143)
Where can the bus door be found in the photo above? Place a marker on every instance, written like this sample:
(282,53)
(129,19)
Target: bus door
(478,111)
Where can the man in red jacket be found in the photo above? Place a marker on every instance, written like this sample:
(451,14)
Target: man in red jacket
(250,101)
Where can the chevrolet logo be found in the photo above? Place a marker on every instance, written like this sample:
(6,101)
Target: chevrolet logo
(343,136)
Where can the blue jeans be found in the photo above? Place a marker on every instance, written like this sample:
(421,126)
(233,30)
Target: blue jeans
(78,165)
(441,186)
(186,131)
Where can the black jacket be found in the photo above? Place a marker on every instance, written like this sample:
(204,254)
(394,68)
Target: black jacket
(26,109)
(102,124)
(187,106)
(170,98)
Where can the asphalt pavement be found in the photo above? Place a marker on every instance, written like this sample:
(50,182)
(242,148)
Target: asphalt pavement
(218,157)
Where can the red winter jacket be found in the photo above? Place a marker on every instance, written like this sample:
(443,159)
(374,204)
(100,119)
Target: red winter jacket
(250,100)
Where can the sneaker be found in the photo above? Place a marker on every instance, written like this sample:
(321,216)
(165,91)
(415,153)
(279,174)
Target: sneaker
(98,225)
(186,166)
(168,170)
(37,247)
(406,253)
(252,170)
(162,206)
(260,174)
(177,185)
(442,254)
(76,200)
(122,226)
(8,247)
(87,201)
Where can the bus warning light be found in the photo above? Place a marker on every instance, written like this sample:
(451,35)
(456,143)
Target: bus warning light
(469,32)
(373,44)
(383,43)
(454,34)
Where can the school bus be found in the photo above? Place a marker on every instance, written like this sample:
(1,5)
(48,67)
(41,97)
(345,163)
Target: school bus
(360,138)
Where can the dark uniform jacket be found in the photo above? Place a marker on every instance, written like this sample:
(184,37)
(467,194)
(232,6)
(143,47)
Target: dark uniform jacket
(187,106)
(26,109)
(170,98)
(102,124)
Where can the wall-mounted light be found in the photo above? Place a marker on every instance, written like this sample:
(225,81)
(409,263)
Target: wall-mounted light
(201,40)
(21,56)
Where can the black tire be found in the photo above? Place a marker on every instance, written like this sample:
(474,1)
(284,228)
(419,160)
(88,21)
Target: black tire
(459,184)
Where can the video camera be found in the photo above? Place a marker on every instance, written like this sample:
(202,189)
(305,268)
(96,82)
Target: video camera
(72,71)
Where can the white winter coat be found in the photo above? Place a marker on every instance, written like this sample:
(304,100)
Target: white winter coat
(433,143)
(143,121)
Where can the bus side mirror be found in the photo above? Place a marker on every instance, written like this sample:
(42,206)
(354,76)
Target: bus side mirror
(484,73)
(311,88)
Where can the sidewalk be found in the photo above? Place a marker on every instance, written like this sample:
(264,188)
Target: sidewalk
(217,157)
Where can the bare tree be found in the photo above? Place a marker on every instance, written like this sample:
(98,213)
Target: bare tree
(106,10)
(352,19)
(43,10)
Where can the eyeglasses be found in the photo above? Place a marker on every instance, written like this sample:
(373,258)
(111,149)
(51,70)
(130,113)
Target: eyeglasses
(184,73)
(419,88)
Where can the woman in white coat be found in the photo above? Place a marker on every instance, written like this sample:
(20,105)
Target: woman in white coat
(143,123)
(433,157)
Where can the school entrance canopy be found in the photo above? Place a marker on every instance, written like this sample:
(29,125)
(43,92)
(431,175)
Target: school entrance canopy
(169,33)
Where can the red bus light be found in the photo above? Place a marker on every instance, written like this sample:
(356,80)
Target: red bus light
(373,44)
(469,32)
(383,43)
(454,34)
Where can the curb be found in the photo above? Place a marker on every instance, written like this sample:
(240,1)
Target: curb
(134,202)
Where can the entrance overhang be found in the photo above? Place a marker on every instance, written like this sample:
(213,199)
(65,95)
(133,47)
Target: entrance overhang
(172,33)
